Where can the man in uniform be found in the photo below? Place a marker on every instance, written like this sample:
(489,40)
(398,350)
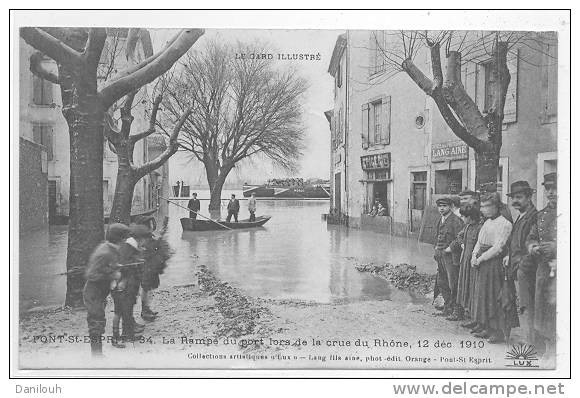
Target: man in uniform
(448,226)
(517,260)
(541,244)
(193,205)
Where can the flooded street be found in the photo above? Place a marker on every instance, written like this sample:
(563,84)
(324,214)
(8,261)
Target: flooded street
(294,256)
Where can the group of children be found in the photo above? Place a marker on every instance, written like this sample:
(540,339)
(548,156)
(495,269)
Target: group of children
(126,264)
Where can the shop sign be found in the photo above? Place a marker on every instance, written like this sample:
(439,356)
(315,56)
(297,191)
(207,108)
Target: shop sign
(375,162)
(443,151)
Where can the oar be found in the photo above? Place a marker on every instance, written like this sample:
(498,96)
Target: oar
(199,214)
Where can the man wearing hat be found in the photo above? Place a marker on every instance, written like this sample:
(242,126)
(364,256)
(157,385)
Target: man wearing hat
(541,244)
(448,226)
(469,198)
(517,260)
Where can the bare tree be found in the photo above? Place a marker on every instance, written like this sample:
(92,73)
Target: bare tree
(128,173)
(77,52)
(243,107)
(481,129)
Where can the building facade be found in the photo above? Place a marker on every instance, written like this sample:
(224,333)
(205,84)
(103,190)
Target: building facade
(390,145)
(42,123)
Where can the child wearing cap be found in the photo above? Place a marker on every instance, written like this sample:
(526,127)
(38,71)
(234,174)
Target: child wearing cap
(126,289)
(102,269)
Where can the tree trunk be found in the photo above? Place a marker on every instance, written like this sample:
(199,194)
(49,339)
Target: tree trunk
(216,192)
(486,168)
(123,199)
(85,228)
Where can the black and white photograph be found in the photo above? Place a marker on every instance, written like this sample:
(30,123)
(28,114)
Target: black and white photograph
(226,198)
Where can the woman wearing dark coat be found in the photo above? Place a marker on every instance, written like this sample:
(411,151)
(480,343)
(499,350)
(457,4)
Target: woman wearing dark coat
(464,244)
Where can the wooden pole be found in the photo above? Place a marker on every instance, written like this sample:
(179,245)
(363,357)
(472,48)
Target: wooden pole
(199,214)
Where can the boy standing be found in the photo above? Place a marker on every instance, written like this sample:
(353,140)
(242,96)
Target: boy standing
(101,271)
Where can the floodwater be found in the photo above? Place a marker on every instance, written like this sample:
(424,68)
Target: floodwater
(294,256)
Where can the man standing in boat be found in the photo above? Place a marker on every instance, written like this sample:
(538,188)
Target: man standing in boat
(194,206)
(252,207)
(233,208)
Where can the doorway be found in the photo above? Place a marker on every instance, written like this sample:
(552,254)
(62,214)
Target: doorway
(381,194)
(418,198)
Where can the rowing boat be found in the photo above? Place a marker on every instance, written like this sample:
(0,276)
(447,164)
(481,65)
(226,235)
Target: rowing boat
(190,224)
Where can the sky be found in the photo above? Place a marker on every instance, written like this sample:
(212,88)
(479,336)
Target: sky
(318,99)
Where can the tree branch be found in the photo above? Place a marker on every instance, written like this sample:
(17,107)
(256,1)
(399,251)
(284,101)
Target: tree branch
(161,64)
(169,151)
(40,70)
(126,115)
(434,91)
(152,121)
(458,129)
(462,104)
(94,47)
(110,131)
(51,47)
(435,51)
(418,77)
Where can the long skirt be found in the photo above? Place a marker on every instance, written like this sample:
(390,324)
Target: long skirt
(474,275)
(465,283)
(487,308)
(545,302)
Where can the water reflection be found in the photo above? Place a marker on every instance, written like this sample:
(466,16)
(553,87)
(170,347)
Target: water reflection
(294,256)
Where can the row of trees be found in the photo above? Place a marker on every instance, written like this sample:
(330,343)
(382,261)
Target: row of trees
(227,110)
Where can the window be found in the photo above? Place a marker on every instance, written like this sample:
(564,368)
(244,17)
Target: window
(339,74)
(377,42)
(42,91)
(43,134)
(448,181)
(381,174)
(376,126)
(377,106)
(549,76)
(419,190)
(420,176)
(485,79)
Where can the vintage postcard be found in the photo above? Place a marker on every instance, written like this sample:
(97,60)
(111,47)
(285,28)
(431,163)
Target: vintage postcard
(299,198)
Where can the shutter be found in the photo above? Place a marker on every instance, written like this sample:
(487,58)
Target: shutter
(552,62)
(469,80)
(36,90)
(47,93)
(37,134)
(386,122)
(365,126)
(333,130)
(480,86)
(49,142)
(372,46)
(510,109)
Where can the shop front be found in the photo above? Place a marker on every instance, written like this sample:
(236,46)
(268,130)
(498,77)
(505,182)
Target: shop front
(378,190)
(449,168)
